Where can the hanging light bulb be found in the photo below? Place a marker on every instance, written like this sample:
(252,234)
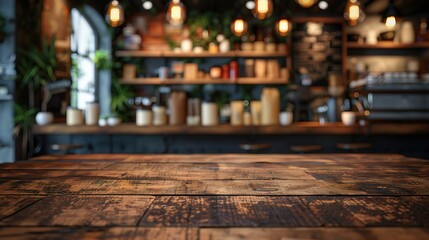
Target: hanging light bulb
(239,26)
(306,3)
(353,12)
(114,14)
(390,15)
(283,26)
(176,13)
(263,9)
(391,21)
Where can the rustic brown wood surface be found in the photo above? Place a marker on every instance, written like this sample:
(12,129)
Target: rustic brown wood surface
(341,196)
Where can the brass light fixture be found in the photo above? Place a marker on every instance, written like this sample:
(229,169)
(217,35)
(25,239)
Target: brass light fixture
(176,13)
(283,26)
(306,3)
(390,15)
(263,9)
(239,26)
(353,12)
(114,14)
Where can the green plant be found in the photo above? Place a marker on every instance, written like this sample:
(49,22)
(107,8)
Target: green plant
(37,67)
(24,121)
(120,98)
(102,60)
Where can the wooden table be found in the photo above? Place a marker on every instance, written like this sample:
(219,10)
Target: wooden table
(209,197)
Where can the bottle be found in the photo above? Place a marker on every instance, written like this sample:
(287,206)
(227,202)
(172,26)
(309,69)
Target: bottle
(233,70)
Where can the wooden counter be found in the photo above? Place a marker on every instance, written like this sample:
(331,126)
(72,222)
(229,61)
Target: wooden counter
(341,196)
(296,128)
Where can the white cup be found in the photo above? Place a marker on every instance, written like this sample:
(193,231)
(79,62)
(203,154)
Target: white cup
(285,118)
(348,118)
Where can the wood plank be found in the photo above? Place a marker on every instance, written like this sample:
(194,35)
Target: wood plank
(313,233)
(369,211)
(10,204)
(140,233)
(165,174)
(70,210)
(83,157)
(169,187)
(56,165)
(222,211)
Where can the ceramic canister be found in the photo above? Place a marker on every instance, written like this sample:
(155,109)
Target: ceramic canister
(74,117)
(177,105)
(407,32)
(237,113)
(270,100)
(143,117)
(91,113)
(255,110)
(159,116)
(209,114)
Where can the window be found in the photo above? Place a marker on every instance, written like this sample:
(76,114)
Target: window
(84,74)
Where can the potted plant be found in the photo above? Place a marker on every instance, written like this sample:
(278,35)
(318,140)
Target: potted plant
(36,69)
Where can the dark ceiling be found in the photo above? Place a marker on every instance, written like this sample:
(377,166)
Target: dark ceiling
(407,8)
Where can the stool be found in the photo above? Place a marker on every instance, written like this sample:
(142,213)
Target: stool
(255,147)
(353,147)
(305,148)
(67,148)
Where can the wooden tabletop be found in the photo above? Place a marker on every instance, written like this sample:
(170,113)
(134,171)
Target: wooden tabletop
(209,197)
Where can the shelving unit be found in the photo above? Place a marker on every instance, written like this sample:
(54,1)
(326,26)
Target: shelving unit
(388,45)
(243,81)
(171,54)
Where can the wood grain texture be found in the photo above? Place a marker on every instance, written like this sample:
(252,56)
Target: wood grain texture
(134,233)
(10,204)
(314,233)
(318,196)
(82,211)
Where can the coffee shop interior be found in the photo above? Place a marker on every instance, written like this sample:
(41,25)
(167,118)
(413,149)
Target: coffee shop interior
(214,77)
(214,119)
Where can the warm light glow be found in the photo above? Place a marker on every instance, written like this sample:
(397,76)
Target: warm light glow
(283,27)
(176,13)
(353,12)
(391,22)
(306,3)
(115,14)
(263,9)
(239,27)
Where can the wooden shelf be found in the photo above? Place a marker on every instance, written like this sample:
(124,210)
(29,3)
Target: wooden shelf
(170,54)
(296,128)
(243,81)
(387,45)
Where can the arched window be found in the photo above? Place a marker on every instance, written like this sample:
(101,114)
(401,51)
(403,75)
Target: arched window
(89,33)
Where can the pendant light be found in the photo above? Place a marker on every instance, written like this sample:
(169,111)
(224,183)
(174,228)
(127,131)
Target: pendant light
(114,14)
(239,26)
(306,3)
(263,9)
(283,26)
(353,12)
(176,13)
(390,15)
